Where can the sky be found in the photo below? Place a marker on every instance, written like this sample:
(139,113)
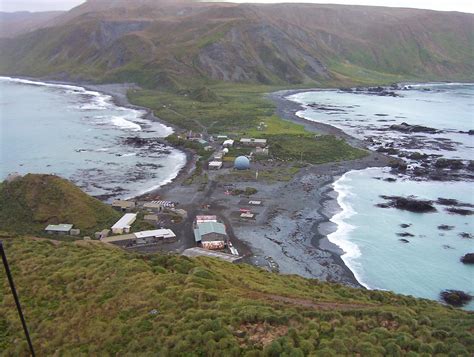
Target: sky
(443,5)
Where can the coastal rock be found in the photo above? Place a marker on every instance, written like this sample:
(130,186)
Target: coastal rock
(325,108)
(404,240)
(449,164)
(405,225)
(465,235)
(387,150)
(456,298)
(445,227)
(417,156)
(460,211)
(470,166)
(447,201)
(135,141)
(452,202)
(468,258)
(405,234)
(407,128)
(408,204)
(399,166)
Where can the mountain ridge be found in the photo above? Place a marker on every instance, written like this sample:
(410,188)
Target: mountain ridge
(276,44)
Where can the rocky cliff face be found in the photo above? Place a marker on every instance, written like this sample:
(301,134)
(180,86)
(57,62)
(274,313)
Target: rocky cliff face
(271,44)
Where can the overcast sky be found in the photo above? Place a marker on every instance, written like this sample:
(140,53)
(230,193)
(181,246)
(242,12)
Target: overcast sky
(444,5)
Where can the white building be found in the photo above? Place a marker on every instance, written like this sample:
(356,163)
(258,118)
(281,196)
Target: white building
(228,143)
(253,142)
(215,165)
(142,238)
(202,219)
(153,235)
(124,224)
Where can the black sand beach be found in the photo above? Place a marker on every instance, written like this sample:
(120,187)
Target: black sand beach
(292,228)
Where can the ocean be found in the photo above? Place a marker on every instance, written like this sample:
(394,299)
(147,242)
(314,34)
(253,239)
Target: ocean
(79,134)
(427,261)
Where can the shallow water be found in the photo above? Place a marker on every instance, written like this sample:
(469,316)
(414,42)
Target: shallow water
(449,108)
(81,135)
(430,262)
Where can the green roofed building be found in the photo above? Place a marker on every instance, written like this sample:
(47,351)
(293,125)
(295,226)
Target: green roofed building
(211,235)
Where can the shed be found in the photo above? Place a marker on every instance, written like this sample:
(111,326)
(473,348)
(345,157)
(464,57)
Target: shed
(228,143)
(218,156)
(75,232)
(247,215)
(124,223)
(215,165)
(123,205)
(61,229)
(151,218)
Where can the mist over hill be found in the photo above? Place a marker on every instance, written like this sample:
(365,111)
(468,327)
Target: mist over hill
(168,43)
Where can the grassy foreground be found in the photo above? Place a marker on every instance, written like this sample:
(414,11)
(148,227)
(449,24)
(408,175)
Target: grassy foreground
(85,298)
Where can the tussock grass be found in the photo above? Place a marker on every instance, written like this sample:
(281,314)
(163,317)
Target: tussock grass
(86,298)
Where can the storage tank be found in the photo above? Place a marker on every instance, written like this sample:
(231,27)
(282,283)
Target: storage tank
(242,163)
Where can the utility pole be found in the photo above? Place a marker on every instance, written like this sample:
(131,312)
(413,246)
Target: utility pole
(15,297)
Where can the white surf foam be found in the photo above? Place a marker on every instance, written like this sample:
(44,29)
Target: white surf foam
(101,101)
(123,123)
(341,236)
(176,156)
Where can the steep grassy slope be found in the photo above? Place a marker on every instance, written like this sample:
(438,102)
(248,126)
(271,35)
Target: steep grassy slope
(175,45)
(29,203)
(85,298)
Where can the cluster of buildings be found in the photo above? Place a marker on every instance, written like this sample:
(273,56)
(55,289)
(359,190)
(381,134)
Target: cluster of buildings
(121,230)
(242,162)
(209,233)
(123,226)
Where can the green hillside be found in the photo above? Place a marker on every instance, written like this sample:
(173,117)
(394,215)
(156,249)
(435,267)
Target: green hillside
(86,298)
(186,44)
(29,203)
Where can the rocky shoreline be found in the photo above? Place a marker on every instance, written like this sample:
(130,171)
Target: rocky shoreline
(295,236)
(118,92)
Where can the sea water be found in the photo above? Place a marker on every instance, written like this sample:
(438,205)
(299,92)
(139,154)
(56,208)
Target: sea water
(430,261)
(83,136)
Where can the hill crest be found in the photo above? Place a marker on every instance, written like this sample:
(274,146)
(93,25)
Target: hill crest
(191,42)
(29,203)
